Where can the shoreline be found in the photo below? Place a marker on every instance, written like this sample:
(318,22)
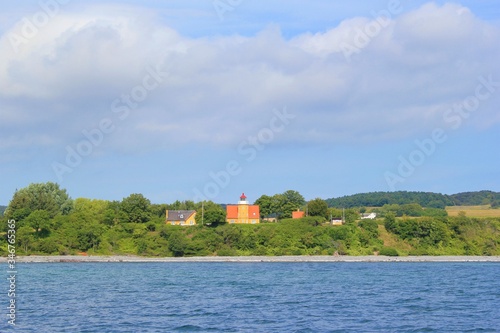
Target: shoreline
(249,259)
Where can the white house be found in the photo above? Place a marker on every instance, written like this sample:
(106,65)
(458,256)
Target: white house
(370,216)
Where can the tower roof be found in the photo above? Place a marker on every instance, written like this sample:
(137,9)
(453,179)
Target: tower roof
(243,196)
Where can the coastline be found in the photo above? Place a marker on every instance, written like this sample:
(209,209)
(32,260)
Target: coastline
(249,259)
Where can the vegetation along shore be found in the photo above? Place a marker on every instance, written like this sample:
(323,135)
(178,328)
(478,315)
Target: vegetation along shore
(381,226)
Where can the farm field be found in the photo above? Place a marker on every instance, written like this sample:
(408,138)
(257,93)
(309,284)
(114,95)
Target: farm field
(474,211)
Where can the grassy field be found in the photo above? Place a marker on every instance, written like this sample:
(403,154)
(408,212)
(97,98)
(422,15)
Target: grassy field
(473,211)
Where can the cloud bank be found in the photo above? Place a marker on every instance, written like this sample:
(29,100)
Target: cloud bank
(108,61)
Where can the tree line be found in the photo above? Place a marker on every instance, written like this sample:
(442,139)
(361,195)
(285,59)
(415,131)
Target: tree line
(49,221)
(425,199)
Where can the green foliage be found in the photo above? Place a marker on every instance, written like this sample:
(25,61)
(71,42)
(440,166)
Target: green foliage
(40,221)
(137,208)
(177,243)
(184,205)
(89,238)
(212,214)
(2,210)
(40,196)
(294,198)
(424,199)
(280,205)
(475,198)
(426,230)
(311,220)
(317,207)
(389,251)
(390,222)
(266,206)
(134,226)
(379,199)
(414,210)
(351,215)
(370,226)
(158,210)
(25,239)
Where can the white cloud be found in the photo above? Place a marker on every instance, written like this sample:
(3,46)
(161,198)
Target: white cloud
(221,89)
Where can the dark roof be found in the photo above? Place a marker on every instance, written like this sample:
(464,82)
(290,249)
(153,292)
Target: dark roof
(179,215)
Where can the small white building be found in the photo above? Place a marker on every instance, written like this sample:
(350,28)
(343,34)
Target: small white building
(369,216)
(336,221)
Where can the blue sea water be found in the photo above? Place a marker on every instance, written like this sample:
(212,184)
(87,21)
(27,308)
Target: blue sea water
(256,297)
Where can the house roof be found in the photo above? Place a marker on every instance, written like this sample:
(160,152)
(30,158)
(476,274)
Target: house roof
(179,215)
(253,212)
(232,211)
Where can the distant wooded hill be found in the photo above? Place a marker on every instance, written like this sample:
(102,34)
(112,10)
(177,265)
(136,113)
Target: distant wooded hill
(424,199)
(2,209)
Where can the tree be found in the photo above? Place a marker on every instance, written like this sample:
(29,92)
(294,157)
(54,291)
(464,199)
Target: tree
(182,205)
(294,198)
(25,238)
(282,205)
(40,196)
(265,204)
(90,210)
(287,202)
(158,210)
(137,208)
(390,222)
(351,215)
(335,213)
(40,221)
(90,236)
(177,243)
(212,214)
(318,207)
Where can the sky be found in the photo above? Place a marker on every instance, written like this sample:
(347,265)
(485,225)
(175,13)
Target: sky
(204,100)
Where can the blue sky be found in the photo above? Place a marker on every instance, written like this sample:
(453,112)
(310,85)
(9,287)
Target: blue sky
(195,100)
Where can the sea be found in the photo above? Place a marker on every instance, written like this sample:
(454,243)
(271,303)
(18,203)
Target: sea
(255,297)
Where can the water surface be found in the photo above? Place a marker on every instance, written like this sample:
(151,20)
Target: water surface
(257,297)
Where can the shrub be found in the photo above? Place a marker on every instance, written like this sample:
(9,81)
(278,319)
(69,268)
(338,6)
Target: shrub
(389,251)
(227,252)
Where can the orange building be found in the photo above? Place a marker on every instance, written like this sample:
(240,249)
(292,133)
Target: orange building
(298,214)
(243,212)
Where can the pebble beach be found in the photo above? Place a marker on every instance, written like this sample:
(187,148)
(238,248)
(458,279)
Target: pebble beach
(125,258)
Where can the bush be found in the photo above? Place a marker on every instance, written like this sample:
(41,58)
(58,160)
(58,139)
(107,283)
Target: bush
(389,251)
(419,252)
(227,252)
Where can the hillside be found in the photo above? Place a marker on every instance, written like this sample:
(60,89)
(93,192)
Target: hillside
(425,199)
